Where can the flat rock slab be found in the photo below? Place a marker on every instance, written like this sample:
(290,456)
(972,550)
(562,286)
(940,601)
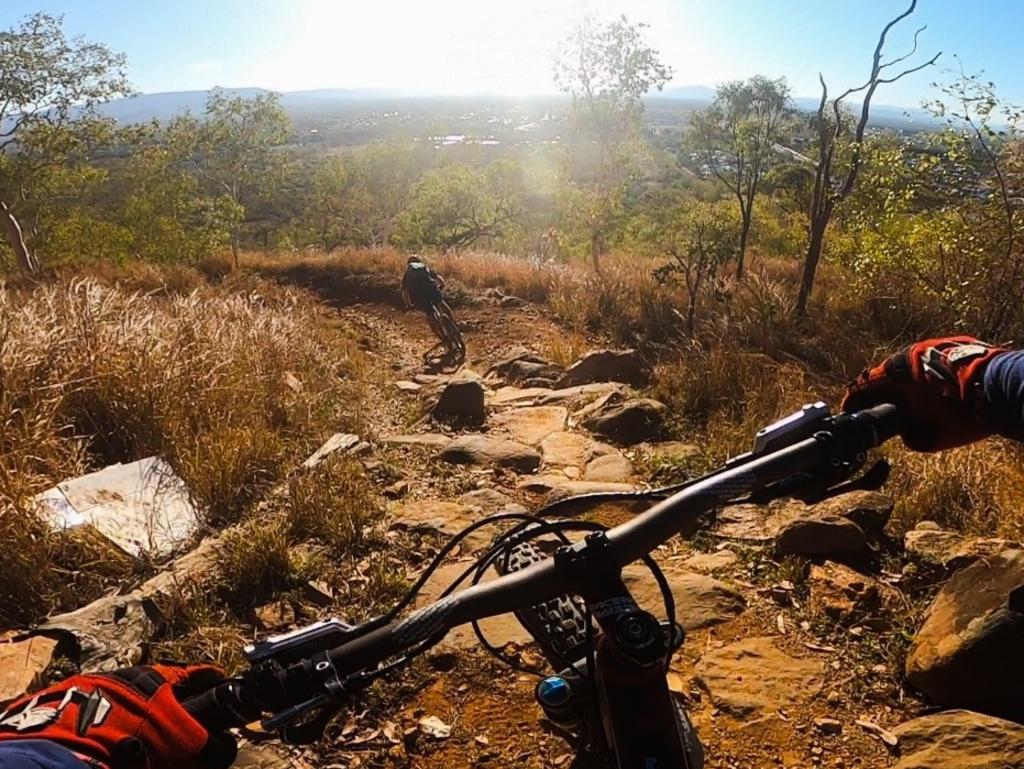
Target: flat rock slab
(566,449)
(22,664)
(609,468)
(580,394)
(142,507)
(431,440)
(490,501)
(950,550)
(707,563)
(532,424)
(500,630)
(516,396)
(338,442)
(960,739)
(753,677)
(444,519)
(488,451)
(701,601)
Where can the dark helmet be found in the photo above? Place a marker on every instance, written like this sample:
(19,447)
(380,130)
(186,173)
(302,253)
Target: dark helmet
(414,259)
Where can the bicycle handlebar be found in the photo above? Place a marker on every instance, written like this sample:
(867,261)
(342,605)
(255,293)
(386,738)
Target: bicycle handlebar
(831,444)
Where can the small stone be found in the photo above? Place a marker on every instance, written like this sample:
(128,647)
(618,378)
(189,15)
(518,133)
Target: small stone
(396,490)
(318,593)
(435,727)
(22,663)
(275,615)
(828,725)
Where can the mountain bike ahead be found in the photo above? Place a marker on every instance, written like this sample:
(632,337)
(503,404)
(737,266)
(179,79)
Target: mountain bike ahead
(606,687)
(445,321)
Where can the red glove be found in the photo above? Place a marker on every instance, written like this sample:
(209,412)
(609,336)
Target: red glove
(936,385)
(129,718)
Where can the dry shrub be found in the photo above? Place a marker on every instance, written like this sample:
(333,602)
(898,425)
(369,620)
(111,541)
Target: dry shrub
(976,489)
(332,504)
(256,561)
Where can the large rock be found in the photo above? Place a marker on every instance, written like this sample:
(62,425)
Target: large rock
(485,450)
(22,664)
(845,595)
(490,501)
(628,423)
(960,739)
(868,509)
(701,601)
(753,676)
(532,424)
(461,402)
(142,507)
(811,535)
(949,551)
(606,366)
(968,651)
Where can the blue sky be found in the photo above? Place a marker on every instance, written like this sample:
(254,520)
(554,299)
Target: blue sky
(451,46)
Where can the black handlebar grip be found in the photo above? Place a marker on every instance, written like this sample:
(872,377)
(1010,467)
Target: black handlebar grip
(221,707)
(885,421)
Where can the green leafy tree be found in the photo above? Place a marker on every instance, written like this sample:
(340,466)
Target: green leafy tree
(606,69)
(736,137)
(238,150)
(457,205)
(49,89)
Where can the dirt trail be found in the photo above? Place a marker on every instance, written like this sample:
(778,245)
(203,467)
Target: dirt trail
(494,719)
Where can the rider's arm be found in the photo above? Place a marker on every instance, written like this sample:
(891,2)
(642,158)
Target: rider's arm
(38,754)
(437,279)
(1003,388)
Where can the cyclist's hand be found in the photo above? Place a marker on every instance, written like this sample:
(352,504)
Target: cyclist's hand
(130,717)
(936,385)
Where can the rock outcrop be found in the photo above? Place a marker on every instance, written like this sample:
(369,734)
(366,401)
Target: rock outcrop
(960,739)
(606,366)
(630,422)
(813,535)
(967,653)
(461,403)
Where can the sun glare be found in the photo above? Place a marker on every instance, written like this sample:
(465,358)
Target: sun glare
(455,46)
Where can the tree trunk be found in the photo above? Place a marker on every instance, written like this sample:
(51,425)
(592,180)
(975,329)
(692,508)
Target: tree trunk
(596,249)
(818,225)
(744,233)
(26,260)
(234,247)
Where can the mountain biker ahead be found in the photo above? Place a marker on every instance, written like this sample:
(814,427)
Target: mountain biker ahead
(421,288)
(951,391)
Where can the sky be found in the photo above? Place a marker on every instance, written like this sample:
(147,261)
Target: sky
(482,46)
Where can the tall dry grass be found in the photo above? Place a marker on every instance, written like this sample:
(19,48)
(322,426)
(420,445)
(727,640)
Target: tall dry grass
(232,387)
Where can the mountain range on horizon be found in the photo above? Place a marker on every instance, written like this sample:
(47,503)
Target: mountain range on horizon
(167,104)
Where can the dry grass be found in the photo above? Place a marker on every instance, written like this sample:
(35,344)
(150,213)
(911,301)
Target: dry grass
(92,374)
(333,504)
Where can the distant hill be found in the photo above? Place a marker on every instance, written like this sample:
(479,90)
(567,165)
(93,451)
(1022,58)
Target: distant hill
(163,106)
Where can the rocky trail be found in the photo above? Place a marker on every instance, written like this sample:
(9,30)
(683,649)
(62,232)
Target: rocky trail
(800,620)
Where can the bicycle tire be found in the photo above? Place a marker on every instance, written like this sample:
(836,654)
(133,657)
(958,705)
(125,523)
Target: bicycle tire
(558,626)
(453,333)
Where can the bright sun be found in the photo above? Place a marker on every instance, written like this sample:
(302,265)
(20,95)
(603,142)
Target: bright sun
(449,46)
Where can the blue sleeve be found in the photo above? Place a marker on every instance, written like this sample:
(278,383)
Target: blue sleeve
(38,754)
(1003,386)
